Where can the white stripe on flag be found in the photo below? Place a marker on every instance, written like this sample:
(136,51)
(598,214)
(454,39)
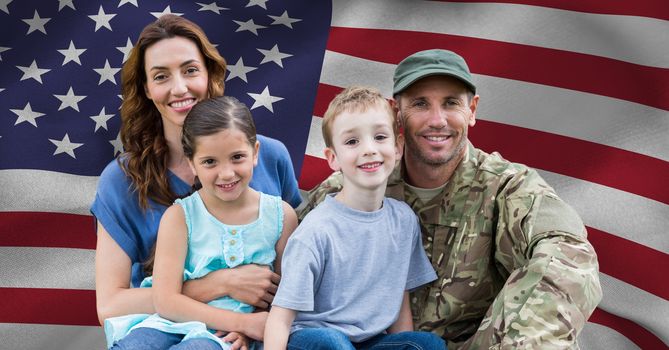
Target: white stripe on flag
(19,336)
(595,34)
(597,337)
(66,268)
(649,311)
(559,111)
(620,213)
(46,191)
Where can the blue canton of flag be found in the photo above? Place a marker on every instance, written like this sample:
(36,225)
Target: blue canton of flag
(61,62)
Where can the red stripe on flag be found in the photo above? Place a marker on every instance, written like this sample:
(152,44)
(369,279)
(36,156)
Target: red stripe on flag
(48,306)
(637,334)
(580,159)
(324,95)
(565,69)
(640,272)
(314,171)
(646,8)
(42,229)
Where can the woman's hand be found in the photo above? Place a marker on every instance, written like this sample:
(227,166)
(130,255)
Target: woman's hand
(252,284)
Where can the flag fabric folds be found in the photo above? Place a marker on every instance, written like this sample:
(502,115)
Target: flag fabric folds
(577,90)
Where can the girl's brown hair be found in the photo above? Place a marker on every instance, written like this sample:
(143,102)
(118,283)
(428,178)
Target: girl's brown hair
(145,156)
(213,115)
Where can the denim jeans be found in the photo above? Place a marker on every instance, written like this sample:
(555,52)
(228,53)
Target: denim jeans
(330,339)
(152,339)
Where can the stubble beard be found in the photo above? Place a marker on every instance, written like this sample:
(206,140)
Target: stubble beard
(454,155)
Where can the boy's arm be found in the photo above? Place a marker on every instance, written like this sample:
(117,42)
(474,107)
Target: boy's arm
(404,321)
(277,329)
(289,225)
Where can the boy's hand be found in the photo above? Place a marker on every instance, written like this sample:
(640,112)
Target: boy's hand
(238,341)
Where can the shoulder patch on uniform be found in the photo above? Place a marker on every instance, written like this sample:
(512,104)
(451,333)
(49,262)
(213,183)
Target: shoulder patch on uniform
(555,215)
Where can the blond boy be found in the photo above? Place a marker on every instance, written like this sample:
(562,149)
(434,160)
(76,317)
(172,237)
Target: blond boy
(348,267)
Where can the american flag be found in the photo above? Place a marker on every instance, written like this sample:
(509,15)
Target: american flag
(578,90)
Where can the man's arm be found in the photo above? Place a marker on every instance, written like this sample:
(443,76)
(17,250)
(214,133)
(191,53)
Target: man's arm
(553,286)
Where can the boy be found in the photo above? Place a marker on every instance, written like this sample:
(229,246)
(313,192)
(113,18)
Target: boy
(348,267)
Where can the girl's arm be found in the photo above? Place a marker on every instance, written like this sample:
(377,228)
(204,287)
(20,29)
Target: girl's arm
(404,321)
(277,329)
(113,267)
(171,250)
(289,225)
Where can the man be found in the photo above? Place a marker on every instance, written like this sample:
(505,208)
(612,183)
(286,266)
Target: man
(515,269)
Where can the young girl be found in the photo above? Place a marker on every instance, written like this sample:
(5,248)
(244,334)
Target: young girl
(222,225)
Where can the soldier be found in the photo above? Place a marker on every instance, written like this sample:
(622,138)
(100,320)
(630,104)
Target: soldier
(515,269)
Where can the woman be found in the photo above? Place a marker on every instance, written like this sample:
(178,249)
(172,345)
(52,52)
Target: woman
(171,68)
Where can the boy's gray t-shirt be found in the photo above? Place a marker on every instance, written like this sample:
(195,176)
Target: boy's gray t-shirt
(346,269)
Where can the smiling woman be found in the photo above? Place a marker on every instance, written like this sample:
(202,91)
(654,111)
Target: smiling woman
(176,79)
(171,68)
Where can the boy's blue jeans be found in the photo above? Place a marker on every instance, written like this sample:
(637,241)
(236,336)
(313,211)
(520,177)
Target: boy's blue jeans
(150,339)
(330,339)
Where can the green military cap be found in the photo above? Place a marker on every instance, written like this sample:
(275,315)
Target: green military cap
(431,62)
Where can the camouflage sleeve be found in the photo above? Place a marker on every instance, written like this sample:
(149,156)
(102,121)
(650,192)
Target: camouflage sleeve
(316,195)
(553,284)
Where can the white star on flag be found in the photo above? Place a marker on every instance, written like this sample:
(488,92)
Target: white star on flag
(284,19)
(32,72)
(27,115)
(248,25)
(71,54)
(264,99)
(107,73)
(63,3)
(101,119)
(3,49)
(3,5)
(65,146)
(273,55)
(70,100)
(166,11)
(213,7)
(102,19)
(125,49)
(123,2)
(260,3)
(36,23)
(239,70)
(118,144)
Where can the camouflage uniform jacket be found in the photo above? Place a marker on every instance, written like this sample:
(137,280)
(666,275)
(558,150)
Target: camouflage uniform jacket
(515,270)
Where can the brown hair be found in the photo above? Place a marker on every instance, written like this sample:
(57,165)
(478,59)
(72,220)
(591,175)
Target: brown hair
(146,153)
(355,99)
(213,115)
